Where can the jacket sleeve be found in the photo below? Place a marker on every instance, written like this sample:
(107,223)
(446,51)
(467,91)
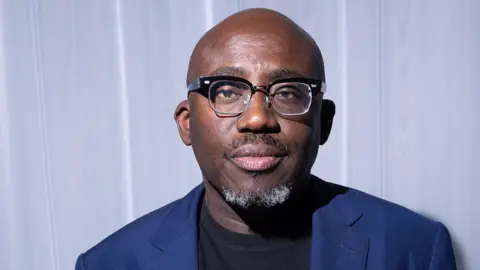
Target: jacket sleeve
(79,264)
(442,257)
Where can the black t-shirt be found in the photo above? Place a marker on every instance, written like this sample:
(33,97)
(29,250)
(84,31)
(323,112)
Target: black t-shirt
(222,249)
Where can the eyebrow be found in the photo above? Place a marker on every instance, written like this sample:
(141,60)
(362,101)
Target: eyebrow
(230,71)
(282,73)
(276,74)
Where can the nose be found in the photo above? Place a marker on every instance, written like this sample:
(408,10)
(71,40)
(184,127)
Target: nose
(258,117)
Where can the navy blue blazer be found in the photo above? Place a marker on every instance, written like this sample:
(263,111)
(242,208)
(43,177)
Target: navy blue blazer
(352,231)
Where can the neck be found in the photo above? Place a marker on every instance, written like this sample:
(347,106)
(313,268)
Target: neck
(290,219)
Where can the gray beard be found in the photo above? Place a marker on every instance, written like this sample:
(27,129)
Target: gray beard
(268,198)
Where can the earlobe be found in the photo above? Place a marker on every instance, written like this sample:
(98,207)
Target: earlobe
(327,114)
(182,118)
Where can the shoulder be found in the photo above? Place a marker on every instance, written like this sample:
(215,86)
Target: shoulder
(380,212)
(398,231)
(369,209)
(130,243)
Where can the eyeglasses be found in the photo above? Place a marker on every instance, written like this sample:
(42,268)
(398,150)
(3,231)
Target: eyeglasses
(230,96)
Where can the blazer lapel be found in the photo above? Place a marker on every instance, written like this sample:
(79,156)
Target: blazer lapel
(335,242)
(176,237)
(181,255)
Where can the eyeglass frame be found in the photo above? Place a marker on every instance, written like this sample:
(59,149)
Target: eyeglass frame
(202,85)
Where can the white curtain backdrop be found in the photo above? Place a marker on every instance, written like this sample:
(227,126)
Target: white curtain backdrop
(88,89)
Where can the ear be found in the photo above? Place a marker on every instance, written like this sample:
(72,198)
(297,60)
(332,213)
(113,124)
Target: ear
(327,114)
(182,117)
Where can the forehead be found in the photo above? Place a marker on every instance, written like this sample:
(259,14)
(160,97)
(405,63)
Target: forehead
(257,54)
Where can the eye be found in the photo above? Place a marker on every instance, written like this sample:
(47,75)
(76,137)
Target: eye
(288,93)
(226,93)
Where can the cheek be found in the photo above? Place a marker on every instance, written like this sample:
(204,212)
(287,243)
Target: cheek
(209,136)
(209,132)
(301,135)
(203,131)
(298,128)
(306,127)
(206,127)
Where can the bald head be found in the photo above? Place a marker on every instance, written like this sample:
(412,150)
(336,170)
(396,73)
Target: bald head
(270,33)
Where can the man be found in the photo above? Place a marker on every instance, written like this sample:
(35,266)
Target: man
(255,117)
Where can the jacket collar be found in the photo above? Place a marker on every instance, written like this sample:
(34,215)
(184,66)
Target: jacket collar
(176,237)
(336,243)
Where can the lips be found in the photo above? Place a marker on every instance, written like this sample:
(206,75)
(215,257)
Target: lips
(257,157)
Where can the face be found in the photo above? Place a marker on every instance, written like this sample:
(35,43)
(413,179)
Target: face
(259,156)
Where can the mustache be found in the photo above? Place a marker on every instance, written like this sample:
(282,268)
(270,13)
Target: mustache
(258,139)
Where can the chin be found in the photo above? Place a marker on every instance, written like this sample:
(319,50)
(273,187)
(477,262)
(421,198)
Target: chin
(257,193)
(265,189)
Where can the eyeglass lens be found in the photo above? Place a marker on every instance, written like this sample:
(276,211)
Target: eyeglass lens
(232,97)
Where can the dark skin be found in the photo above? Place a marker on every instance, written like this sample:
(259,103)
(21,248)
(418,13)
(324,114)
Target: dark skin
(258,45)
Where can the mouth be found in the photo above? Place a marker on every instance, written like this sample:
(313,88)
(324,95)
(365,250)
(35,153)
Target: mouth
(257,164)
(257,158)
